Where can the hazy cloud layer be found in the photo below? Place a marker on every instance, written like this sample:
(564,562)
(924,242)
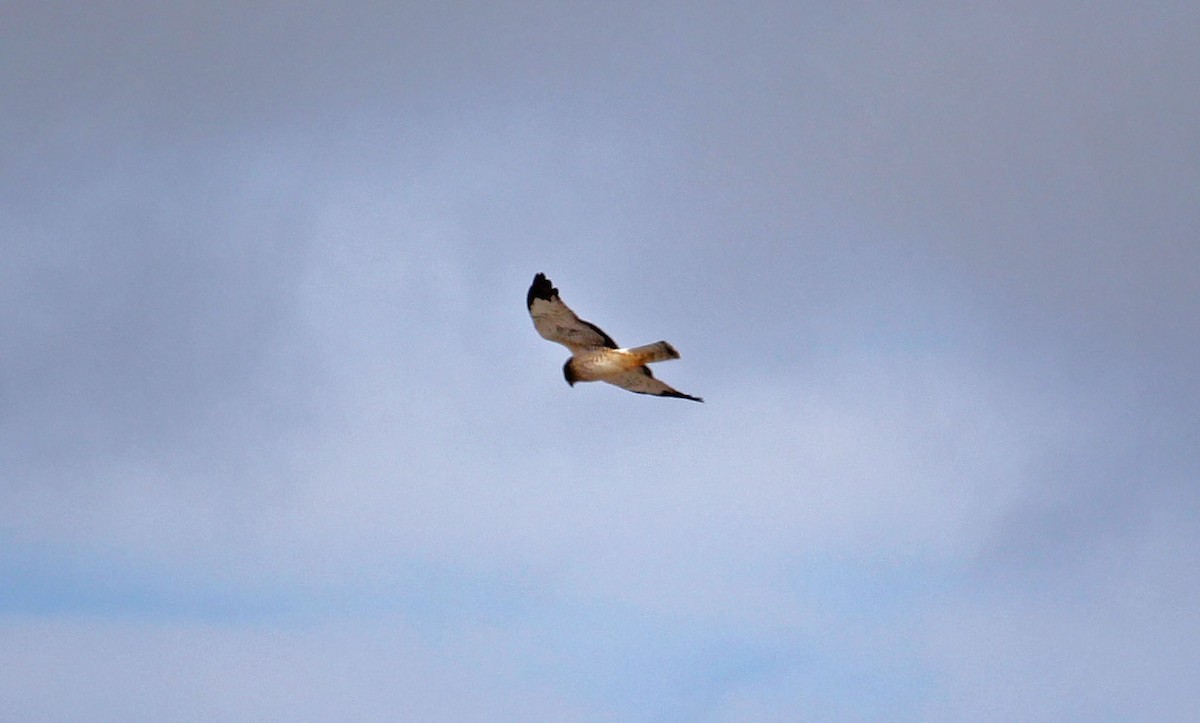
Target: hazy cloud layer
(277,440)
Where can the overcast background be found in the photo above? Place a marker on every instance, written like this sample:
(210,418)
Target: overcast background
(278,440)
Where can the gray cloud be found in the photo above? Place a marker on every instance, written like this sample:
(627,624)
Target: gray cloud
(932,269)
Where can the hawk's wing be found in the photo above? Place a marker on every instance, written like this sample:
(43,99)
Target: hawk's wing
(556,322)
(642,381)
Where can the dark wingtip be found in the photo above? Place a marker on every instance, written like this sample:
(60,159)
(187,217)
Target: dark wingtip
(541,288)
(681,395)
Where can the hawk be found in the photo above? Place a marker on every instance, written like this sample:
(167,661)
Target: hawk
(595,356)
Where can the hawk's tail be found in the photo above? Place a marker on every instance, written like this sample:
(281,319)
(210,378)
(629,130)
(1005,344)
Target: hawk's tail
(656,352)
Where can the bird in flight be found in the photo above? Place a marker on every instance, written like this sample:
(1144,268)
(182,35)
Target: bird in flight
(595,356)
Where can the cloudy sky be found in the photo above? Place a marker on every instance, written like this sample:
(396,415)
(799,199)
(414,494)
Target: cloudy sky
(279,442)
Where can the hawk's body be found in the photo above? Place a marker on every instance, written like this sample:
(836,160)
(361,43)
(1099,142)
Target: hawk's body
(595,356)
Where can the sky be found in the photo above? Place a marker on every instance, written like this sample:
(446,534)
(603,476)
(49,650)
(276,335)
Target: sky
(278,440)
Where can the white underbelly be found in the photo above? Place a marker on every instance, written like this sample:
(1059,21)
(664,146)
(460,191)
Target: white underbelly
(595,365)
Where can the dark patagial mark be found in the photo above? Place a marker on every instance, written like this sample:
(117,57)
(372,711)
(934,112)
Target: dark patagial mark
(677,395)
(608,340)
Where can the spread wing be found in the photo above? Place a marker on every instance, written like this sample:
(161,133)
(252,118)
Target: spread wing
(555,321)
(642,381)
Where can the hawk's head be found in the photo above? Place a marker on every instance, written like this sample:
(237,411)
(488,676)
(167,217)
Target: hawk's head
(569,373)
